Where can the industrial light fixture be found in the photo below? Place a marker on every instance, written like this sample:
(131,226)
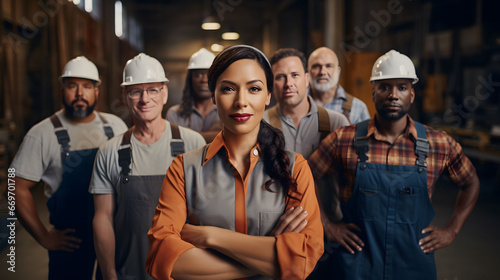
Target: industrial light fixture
(210,23)
(118,19)
(88,6)
(217,47)
(230,35)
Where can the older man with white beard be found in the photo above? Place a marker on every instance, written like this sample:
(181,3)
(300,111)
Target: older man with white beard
(324,72)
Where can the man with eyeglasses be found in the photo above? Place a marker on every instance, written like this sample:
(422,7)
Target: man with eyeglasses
(196,110)
(129,171)
(60,151)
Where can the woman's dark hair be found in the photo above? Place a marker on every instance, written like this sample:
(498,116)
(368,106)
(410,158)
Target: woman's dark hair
(271,140)
(188,95)
(276,161)
(235,53)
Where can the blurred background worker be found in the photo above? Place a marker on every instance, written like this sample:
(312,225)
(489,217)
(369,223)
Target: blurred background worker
(387,182)
(324,72)
(60,151)
(197,110)
(129,171)
(303,123)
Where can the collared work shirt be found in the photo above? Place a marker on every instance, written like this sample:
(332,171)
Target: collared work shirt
(337,153)
(297,253)
(306,138)
(196,121)
(359,111)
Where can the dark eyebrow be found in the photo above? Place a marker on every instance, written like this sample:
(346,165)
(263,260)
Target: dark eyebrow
(228,82)
(249,82)
(255,81)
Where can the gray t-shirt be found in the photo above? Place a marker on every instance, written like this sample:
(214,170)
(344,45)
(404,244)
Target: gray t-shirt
(153,159)
(195,121)
(39,157)
(306,139)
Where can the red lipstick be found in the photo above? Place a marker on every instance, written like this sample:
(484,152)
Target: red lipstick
(241,117)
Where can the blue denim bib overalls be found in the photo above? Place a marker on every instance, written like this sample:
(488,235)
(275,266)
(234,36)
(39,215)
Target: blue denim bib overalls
(72,206)
(391,206)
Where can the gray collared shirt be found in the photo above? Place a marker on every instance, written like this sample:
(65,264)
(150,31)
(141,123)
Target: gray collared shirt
(195,121)
(306,138)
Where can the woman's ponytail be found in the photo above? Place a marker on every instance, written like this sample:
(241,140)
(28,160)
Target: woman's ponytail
(276,161)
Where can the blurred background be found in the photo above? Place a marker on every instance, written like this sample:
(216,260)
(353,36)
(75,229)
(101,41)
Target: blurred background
(454,44)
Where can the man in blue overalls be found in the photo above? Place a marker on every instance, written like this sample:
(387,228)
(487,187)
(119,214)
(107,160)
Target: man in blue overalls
(387,169)
(60,151)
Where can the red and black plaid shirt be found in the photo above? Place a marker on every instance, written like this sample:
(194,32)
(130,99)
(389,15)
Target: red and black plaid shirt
(337,153)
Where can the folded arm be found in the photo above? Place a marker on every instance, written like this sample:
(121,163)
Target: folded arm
(171,257)
(258,253)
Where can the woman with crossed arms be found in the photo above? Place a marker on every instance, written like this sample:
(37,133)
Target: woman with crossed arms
(234,191)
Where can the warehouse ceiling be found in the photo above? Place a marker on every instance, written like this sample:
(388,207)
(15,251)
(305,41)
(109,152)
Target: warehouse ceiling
(175,26)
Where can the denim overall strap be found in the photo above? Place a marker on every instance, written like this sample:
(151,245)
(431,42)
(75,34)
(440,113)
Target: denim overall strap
(391,206)
(72,206)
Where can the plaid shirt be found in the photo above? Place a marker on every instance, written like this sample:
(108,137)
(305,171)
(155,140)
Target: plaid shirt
(337,152)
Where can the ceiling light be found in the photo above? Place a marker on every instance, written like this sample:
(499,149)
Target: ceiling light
(230,35)
(88,6)
(118,19)
(210,23)
(217,47)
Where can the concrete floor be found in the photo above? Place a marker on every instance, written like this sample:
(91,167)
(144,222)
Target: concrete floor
(475,253)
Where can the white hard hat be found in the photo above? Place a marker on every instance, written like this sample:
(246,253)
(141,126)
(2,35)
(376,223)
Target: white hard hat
(393,65)
(201,59)
(80,67)
(143,69)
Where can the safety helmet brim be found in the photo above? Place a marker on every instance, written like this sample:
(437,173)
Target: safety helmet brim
(80,67)
(143,69)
